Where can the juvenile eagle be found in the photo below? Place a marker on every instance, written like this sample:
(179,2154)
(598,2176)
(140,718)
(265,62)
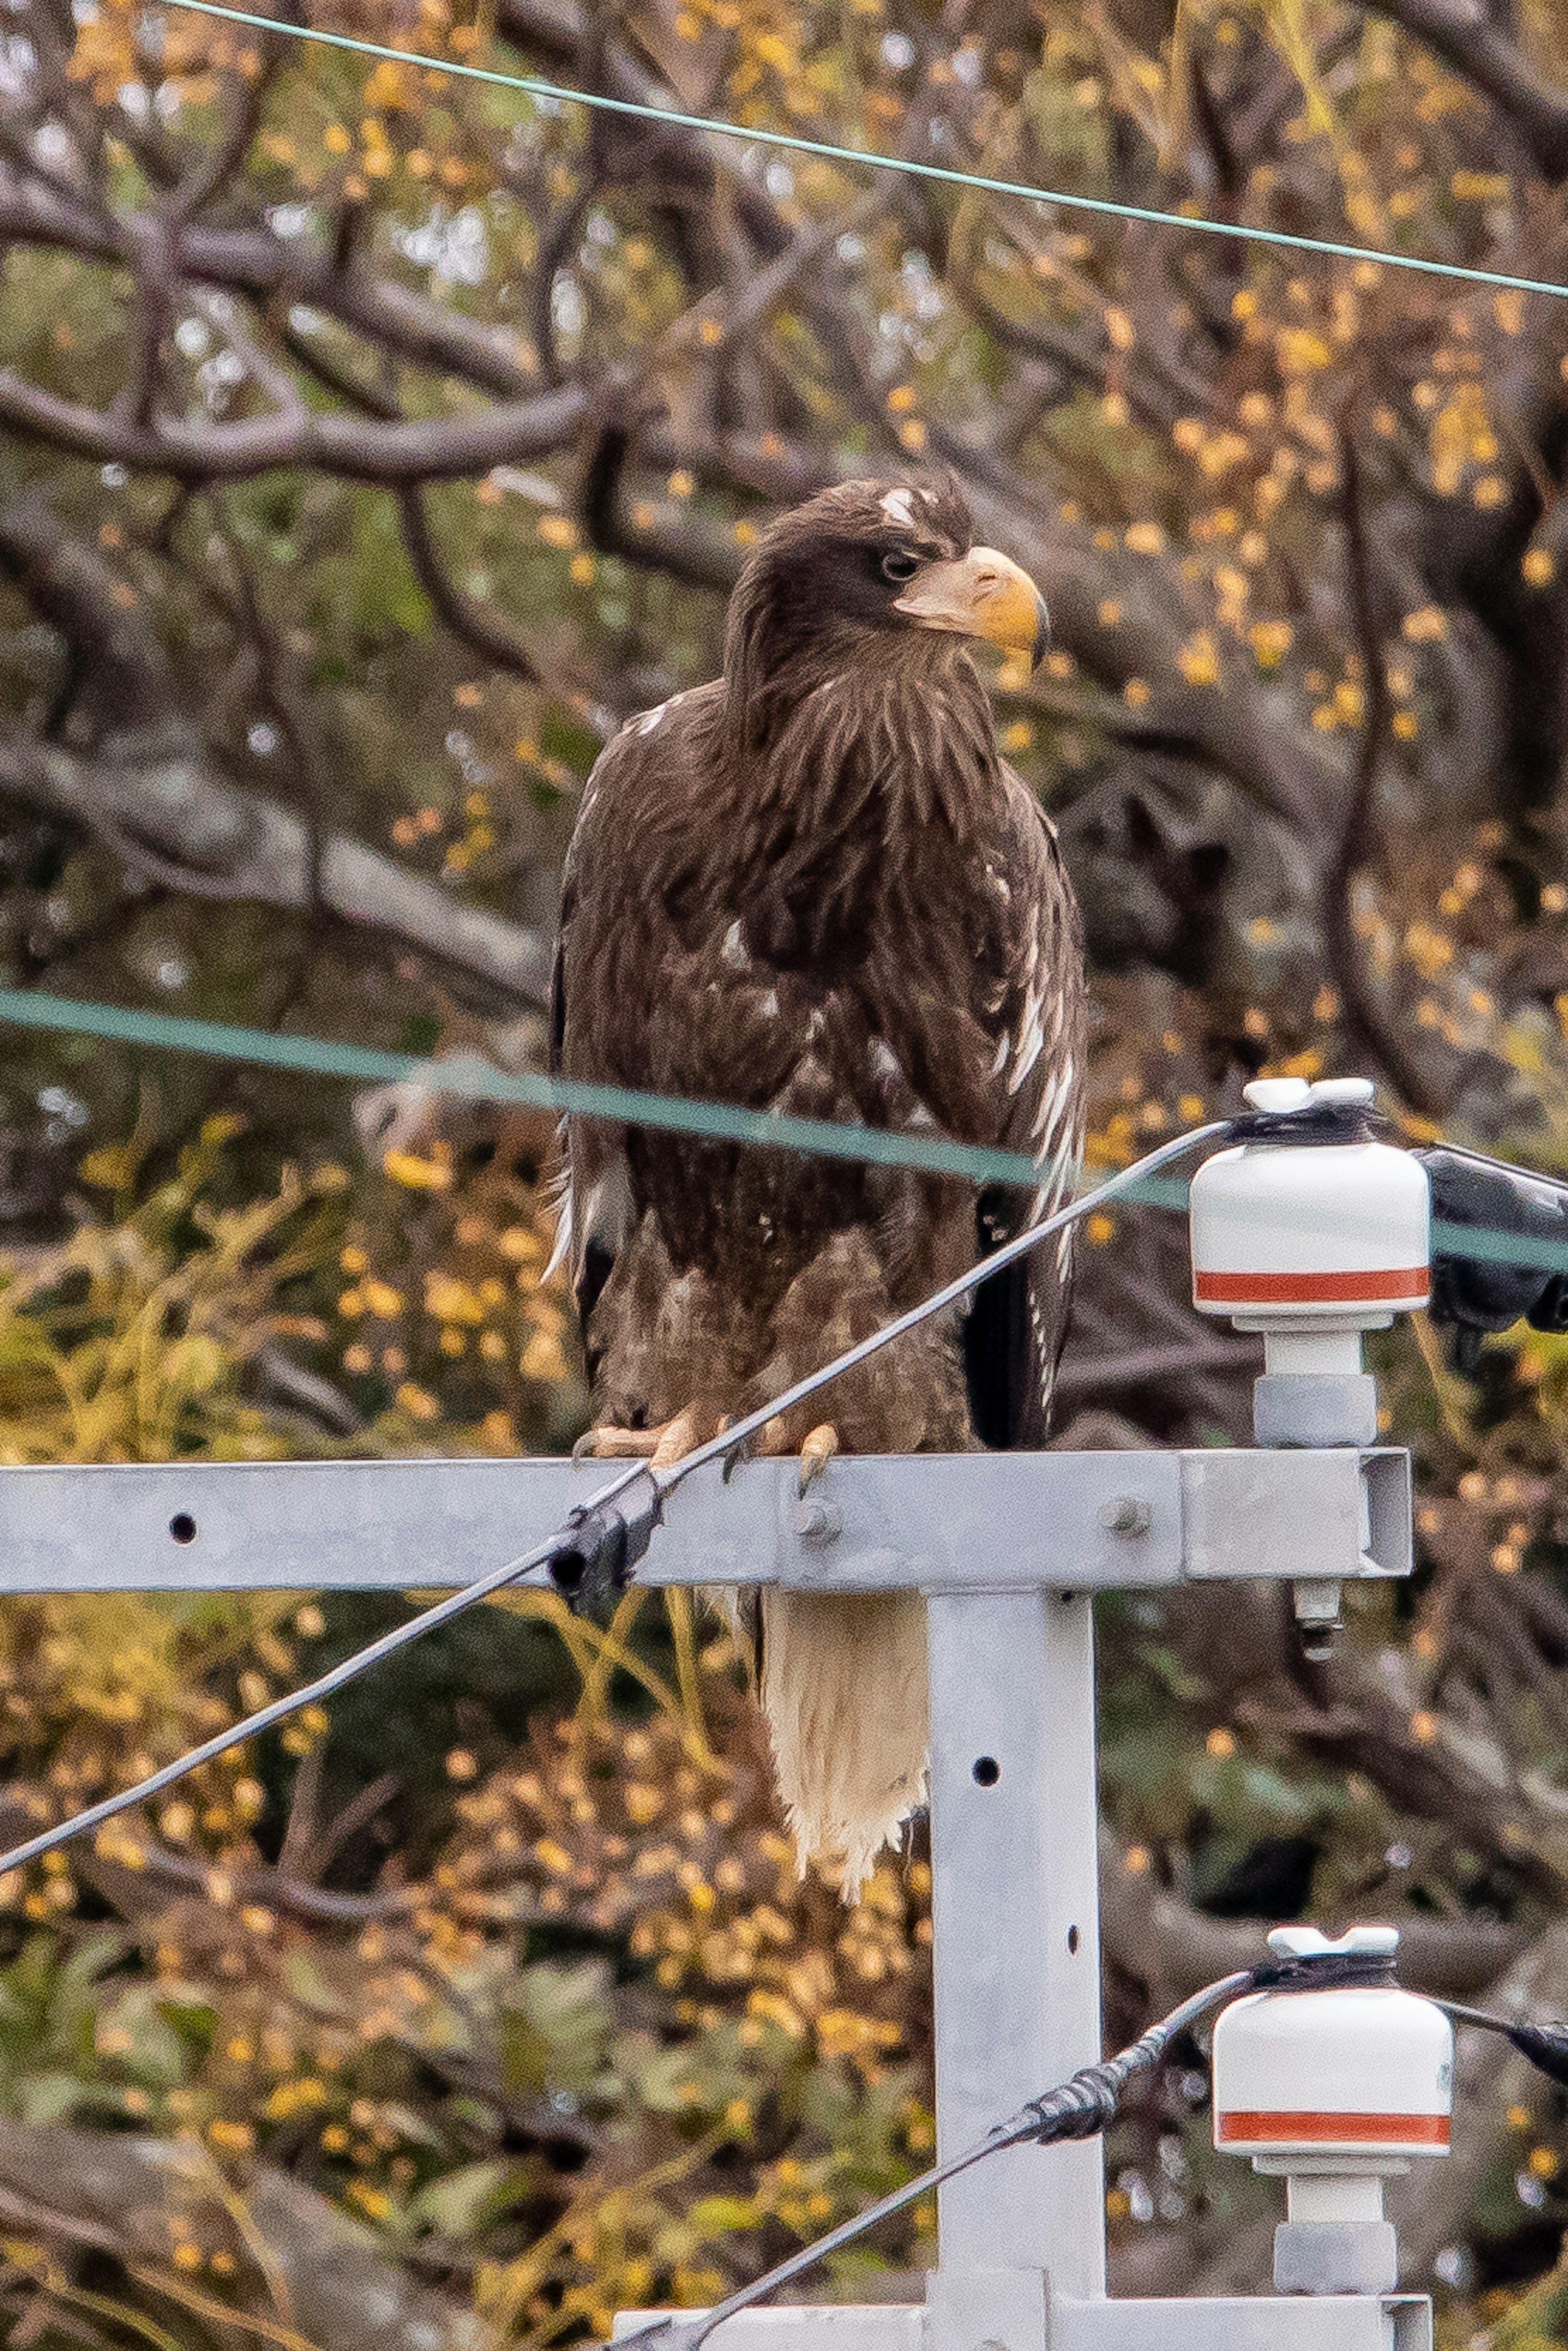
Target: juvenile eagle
(815,886)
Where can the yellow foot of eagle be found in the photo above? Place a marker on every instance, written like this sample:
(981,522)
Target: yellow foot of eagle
(673,1439)
(661,1446)
(817,1451)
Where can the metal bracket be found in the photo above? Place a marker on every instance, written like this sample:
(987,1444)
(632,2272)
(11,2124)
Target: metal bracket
(1341,2321)
(1010,1548)
(1073,1521)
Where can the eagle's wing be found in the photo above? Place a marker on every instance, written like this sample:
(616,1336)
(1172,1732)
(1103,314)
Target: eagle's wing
(595,1204)
(619,956)
(1014,1330)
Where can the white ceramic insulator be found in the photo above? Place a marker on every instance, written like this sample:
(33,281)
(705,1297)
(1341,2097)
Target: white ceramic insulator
(1325,1238)
(1334,2199)
(1319,2077)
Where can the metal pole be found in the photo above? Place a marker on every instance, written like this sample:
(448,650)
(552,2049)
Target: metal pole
(1017,1945)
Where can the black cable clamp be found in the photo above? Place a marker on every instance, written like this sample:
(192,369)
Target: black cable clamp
(1546,2045)
(1326,1971)
(1079,2108)
(1317,1123)
(1089,2102)
(1473,1295)
(592,1564)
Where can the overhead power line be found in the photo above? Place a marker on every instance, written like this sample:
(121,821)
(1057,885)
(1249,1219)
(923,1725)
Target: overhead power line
(872,158)
(469,1078)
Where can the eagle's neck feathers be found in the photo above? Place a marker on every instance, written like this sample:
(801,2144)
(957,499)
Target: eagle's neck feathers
(846,738)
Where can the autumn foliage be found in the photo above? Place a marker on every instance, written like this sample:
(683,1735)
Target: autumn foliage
(372,441)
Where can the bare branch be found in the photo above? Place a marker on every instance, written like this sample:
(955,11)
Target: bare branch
(1375,1035)
(207,835)
(355,449)
(1173,1950)
(1136,1367)
(256,263)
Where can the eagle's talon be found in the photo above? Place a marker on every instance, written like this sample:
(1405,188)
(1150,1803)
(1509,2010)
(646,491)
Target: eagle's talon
(661,1446)
(742,1450)
(816,1453)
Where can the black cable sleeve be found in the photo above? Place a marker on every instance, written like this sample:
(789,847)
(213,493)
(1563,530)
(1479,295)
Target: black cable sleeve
(1546,2045)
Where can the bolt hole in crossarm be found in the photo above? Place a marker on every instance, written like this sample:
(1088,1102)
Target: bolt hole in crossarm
(182,1527)
(986,1771)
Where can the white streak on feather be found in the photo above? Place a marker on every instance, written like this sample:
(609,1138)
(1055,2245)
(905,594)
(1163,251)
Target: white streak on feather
(561,1248)
(896,506)
(607,1212)
(1068,1153)
(1050,1108)
(1029,1044)
(733,948)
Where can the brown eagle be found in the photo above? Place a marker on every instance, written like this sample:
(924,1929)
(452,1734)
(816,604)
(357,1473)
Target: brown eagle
(816,887)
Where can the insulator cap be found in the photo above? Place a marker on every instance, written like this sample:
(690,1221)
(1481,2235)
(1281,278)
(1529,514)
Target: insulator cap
(1286,1233)
(1312,2075)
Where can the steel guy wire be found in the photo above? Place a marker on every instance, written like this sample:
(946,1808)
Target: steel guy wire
(913,167)
(594,1522)
(470,1077)
(525,1569)
(725,1444)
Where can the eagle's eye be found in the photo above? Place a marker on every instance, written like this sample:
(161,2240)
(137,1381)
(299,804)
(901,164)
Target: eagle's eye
(899,566)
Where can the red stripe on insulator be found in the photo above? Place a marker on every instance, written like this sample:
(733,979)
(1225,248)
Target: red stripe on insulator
(1309,1289)
(1419,2131)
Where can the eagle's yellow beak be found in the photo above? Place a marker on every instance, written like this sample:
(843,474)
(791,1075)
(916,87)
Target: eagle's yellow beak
(984,594)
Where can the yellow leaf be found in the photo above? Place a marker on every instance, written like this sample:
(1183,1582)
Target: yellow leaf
(1301,351)
(417,1174)
(1428,626)
(1198,660)
(111,1168)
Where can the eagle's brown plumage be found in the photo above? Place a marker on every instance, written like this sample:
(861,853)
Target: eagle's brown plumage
(814,886)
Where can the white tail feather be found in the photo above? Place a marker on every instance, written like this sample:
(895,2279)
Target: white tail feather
(844,1691)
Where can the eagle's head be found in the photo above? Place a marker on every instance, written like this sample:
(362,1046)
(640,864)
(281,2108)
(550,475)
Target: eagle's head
(870,564)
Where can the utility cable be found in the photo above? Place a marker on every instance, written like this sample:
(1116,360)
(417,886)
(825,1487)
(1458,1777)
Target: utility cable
(1546,2045)
(1084,2106)
(793,143)
(589,1565)
(526,1568)
(591,1556)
